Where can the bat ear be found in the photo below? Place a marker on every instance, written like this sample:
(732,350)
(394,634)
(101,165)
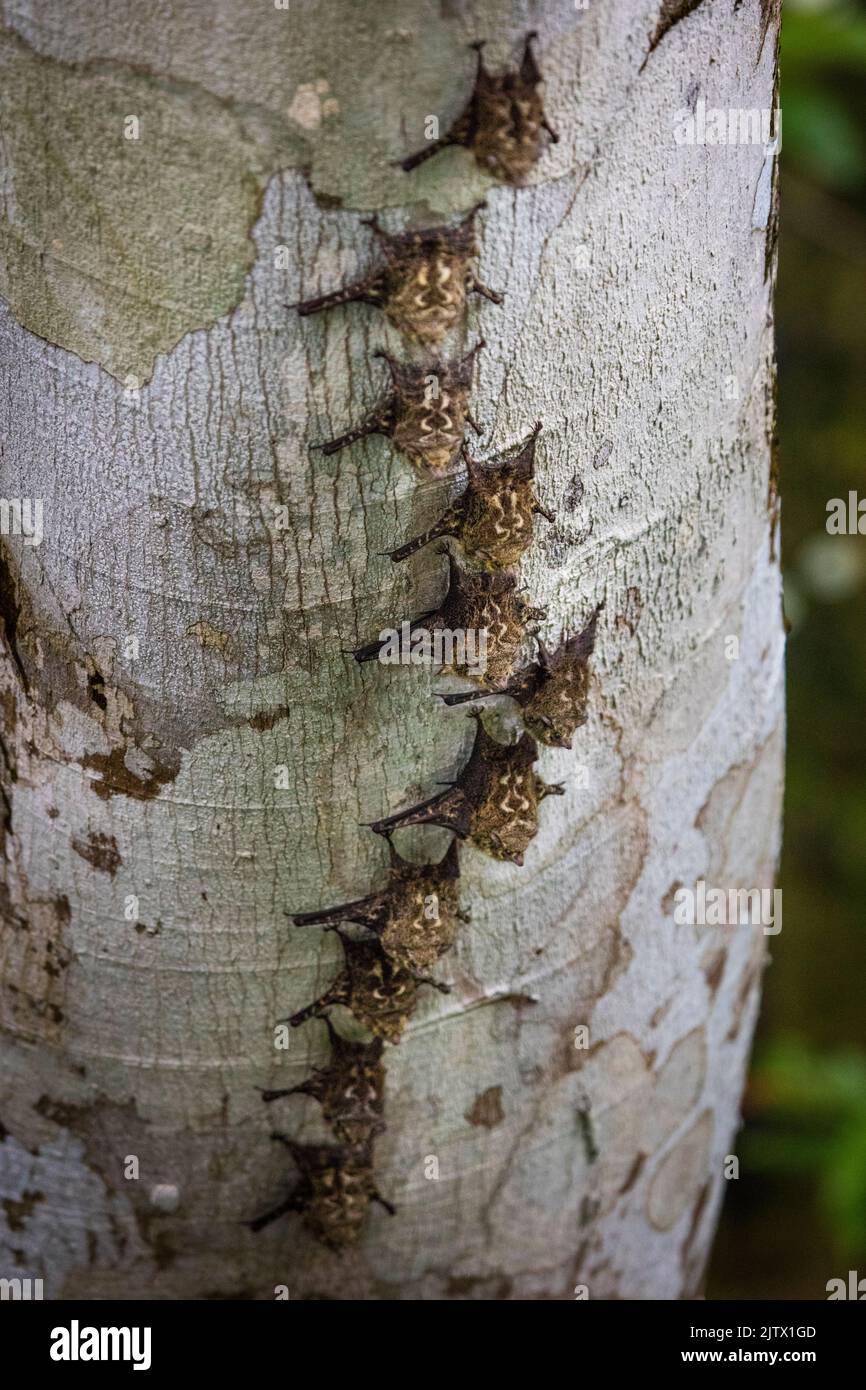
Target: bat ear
(449,864)
(470,216)
(529,69)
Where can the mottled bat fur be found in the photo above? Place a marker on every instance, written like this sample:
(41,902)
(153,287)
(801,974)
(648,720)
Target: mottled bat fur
(333,1192)
(492,519)
(503,123)
(423,284)
(552,693)
(378,992)
(349,1089)
(493,803)
(415,917)
(424,415)
(475,602)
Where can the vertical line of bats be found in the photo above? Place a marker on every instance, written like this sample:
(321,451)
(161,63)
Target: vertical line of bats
(393,937)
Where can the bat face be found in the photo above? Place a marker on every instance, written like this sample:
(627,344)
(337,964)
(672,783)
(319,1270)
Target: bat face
(509,137)
(430,424)
(381,994)
(555,703)
(335,1191)
(426,299)
(558,707)
(423,924)
(500,505)
(506,822)
(351,1089)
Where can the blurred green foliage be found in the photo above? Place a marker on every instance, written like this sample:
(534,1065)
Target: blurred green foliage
(797,1215)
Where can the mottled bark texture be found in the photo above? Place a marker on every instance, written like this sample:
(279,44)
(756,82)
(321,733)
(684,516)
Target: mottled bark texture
(179,635)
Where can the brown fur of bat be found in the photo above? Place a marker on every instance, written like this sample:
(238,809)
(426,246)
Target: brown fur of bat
(493,804)
(349,1089)
(428,428)
(504,122)
(483,601)
(552,693)
(423,283)
(378,992)
(333,1192)
(415,917)
(493,518)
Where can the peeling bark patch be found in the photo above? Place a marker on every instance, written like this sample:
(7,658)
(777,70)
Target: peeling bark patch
(679,1176)
(487,1110)
(128,236)
(116,779)
(99,850)
(18,1212)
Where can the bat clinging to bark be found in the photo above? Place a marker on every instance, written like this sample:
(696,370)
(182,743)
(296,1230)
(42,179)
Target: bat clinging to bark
(415,917)
(493,803)
(424,415)
(333,1193)
(483,606)
(552,693)
(504,122)
(423,284)
(493,517)
(349,1089)
(380,993)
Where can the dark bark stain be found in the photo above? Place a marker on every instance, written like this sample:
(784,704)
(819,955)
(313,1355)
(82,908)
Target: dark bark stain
(670,897)
(96,690)
(266,719)
(633,1174)
(100,851)
(59,1112)
(10,614)
(117,780)
(487,1109)
(18,1212)
(587,1134)
(714,970)
(467,1285)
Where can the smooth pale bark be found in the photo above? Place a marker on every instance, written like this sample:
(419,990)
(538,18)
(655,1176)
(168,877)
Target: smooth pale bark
(160,399)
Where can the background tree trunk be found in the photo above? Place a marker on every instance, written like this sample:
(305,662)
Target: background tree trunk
(172,643)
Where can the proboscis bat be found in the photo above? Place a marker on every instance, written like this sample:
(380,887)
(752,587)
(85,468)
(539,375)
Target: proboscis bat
(477,631)
(552,693)
(493,803)
(349,1089)
(493,517)
(424,414)
(423,284)
(380,993)
(415,917)
(333,1192)
(503,122)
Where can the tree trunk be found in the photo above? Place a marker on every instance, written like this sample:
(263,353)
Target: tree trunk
(190,754)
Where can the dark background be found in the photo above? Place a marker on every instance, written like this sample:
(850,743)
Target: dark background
(796,1216)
